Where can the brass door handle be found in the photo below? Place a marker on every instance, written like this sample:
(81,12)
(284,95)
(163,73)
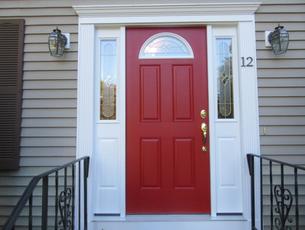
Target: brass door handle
(203,114)
(204,129)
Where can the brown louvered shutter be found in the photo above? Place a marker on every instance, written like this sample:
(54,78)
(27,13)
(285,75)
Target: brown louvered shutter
(11,59)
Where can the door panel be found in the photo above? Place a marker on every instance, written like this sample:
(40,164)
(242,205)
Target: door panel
(150,163)
(167,171)
(150,92)
(183,92)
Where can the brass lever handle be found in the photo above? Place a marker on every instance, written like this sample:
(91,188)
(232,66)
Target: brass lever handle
(204,129)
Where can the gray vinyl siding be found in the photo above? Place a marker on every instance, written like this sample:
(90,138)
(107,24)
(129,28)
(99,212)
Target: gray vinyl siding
(49,97)
(281,82)
(281,90)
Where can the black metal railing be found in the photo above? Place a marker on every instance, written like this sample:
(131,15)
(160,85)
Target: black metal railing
(49,199)
(278,184)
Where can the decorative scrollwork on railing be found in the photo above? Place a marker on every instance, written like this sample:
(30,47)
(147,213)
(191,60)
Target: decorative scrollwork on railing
(284,199)
(65,209)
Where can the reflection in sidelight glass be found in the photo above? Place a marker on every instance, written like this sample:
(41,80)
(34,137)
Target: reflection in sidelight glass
(108,80)
(224,78)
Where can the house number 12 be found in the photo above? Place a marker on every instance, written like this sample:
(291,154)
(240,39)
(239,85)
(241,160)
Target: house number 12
(246,62)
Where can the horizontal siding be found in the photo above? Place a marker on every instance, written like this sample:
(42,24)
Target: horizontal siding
(48,134)
(42,38)
(33,12)
(282,111)
(281,101)
(286,121)
(281,82)
(48,122)
(49,84)
(50,75)
(284,8)
(280,73)
(291,26)
(49,103)
(45,29)
(30,57)
(50,5)
(49,93)
(287,17)
(52,113)
(281,79)
(283,131)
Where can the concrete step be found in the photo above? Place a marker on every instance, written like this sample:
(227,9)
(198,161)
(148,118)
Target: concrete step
(171,222)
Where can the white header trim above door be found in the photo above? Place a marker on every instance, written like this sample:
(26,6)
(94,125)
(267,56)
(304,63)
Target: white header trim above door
(189,9)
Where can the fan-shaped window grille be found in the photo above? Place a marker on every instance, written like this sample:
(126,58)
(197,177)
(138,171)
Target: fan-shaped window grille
(166,45)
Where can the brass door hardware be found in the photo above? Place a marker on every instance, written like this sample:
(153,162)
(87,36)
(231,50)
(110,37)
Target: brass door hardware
(203,114)
(204,129)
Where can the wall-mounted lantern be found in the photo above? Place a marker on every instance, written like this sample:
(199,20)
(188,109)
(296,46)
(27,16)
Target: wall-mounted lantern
(278,40)
(58,42)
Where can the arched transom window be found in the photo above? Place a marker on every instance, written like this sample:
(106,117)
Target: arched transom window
(165,45)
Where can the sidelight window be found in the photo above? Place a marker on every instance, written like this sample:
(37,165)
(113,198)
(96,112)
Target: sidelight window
(108,80)
(224,75)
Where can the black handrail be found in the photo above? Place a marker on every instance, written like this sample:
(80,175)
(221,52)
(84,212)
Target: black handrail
(27,196)
(281,198)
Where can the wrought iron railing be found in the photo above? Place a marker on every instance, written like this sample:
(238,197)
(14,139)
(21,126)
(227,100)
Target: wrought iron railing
(278,184)
(63,185)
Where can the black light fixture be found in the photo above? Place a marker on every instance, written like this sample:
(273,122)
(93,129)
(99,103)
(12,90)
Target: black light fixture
(57,43)
(279,40)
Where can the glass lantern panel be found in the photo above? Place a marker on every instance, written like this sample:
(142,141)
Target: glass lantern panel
(52,45)
(224,78)
(108,80)
(166,45)
(284,41)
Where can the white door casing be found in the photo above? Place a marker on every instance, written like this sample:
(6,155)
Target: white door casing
(94,23)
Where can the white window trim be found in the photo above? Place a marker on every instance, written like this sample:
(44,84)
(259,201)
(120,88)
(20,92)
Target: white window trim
(238,14)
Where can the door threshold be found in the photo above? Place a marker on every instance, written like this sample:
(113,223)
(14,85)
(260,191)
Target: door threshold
(181,217)
(169,218)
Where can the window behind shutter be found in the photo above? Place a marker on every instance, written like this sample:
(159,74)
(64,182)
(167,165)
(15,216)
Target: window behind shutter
(11,59)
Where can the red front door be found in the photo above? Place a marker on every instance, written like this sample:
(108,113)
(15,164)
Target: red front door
(167,171)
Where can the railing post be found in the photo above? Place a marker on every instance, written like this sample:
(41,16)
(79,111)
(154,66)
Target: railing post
(73,196)
(56,201)
(271,194)
(79,195)
(250,160)
(65,217)
(296,193)
(44,211)
(86,172)
(30,224)
(261,191)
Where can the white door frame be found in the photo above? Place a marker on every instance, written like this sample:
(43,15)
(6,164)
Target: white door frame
(238,15)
